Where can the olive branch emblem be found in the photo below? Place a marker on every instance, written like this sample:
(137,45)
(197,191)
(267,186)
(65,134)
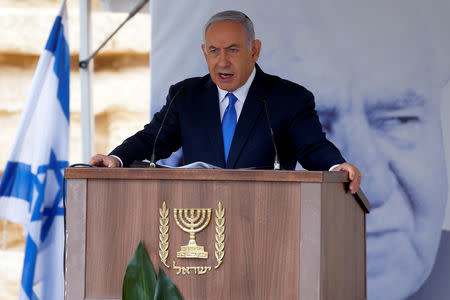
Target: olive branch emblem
(220,234)
(164,234)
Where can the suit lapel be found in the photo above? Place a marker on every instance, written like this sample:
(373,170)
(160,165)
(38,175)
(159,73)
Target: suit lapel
(250,111)
(211,117)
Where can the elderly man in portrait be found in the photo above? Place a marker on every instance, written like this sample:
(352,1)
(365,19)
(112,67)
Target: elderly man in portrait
(220,118)
(397,126)
(378,80)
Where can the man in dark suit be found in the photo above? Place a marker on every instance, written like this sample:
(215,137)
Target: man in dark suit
(220,118)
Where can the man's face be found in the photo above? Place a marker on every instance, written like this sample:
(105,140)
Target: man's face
(389,126)
(229,60)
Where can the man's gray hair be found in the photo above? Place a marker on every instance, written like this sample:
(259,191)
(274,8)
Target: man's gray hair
(235,16)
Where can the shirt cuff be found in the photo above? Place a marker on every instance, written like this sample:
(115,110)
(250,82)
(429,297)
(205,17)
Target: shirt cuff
(121,163)
(331,169)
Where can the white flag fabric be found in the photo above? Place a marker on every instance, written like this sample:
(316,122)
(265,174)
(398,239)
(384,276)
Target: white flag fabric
(31,189)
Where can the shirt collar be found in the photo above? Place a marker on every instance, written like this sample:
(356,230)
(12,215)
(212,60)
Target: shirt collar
(240,93)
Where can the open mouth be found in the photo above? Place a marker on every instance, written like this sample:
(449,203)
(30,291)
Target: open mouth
(225,75)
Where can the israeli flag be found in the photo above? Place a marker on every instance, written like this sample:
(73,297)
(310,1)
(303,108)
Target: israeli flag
(32,185)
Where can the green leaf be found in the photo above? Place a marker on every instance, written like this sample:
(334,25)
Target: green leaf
(140,280)
(165,288)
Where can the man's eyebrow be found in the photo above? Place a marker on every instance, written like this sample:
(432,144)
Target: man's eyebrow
(407,99)
(232,46)
(228,47)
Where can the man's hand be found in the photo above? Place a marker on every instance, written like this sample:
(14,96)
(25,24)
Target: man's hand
(354,175)
(100,160)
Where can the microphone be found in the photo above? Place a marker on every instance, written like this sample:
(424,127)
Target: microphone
(276,161)
(152,159)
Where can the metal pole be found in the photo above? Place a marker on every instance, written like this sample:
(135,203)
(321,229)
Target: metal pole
(5,235)
(84,63)
(87,119)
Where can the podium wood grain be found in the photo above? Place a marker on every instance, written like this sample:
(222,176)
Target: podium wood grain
(289,235)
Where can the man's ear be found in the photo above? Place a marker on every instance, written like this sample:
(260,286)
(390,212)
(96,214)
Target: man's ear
(204,50)
(256,49)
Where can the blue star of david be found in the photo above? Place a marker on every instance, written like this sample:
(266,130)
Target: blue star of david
(48,213)
(20,182)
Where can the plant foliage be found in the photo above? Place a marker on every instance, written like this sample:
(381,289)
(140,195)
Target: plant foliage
(165,289)
(140,283)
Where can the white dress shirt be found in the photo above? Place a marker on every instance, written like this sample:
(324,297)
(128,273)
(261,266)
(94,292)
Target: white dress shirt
(240,93)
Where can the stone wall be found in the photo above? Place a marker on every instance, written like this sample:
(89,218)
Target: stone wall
(120,88)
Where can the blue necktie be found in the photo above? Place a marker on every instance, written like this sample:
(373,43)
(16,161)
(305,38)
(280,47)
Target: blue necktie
(229,124)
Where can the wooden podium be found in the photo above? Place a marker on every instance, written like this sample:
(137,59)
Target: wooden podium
(284,234)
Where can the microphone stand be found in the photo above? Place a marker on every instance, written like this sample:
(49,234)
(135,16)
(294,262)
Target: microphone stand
(153,157)
(276,161)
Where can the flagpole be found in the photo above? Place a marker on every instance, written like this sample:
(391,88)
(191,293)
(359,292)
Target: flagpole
(5,235)
(87,119)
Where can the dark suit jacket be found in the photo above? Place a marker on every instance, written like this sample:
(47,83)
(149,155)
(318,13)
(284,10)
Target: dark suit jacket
(194,123)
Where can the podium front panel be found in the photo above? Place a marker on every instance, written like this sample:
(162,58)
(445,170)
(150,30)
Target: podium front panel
(262,236)
(285,235)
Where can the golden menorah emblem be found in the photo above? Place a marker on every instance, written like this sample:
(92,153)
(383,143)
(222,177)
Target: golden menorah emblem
(192,221)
